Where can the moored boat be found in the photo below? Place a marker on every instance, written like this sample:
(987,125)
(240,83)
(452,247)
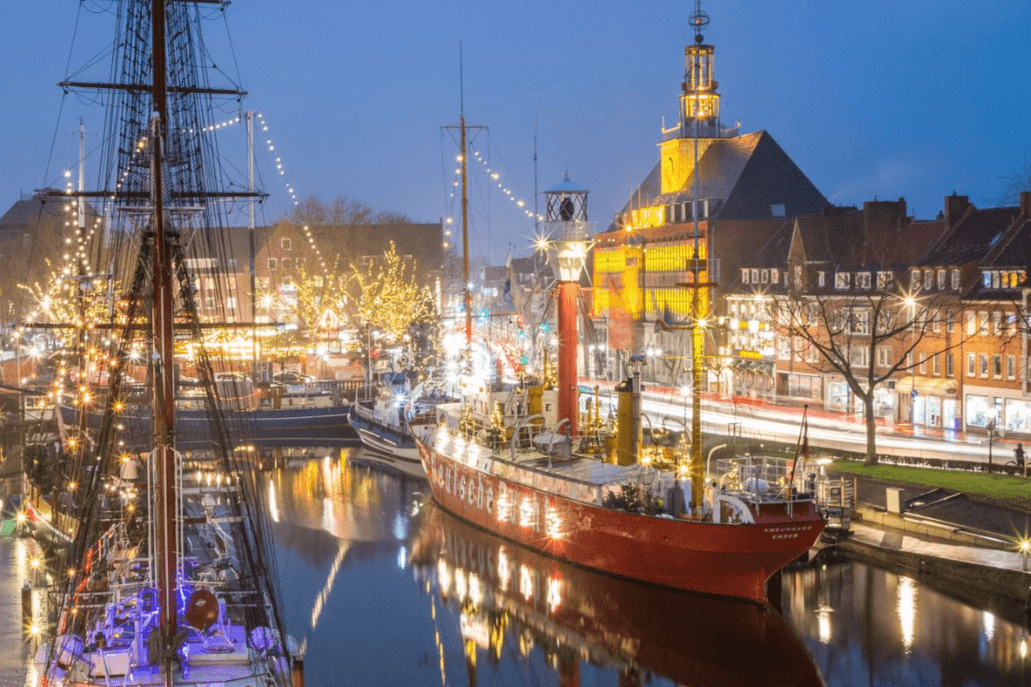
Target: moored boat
(169,577)
(510,459)
(390,421)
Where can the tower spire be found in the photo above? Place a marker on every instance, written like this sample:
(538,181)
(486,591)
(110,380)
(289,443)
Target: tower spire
(699,100)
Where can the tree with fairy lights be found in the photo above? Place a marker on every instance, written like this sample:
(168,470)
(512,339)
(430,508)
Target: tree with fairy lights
(384,297)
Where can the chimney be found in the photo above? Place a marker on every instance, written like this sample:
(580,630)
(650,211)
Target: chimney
(1025,204)
(954,207)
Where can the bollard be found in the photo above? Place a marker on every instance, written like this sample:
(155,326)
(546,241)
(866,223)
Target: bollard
(298,672)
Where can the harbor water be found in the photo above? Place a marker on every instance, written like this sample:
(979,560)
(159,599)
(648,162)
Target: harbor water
(384,588)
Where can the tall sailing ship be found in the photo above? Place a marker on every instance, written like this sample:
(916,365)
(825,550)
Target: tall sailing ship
(512,459)
(170,578)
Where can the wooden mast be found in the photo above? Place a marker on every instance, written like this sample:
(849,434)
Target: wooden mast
(165,491)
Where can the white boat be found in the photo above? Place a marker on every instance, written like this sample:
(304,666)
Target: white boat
(390,422)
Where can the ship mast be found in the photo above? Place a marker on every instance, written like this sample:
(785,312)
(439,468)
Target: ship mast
(165,492)
(463,129)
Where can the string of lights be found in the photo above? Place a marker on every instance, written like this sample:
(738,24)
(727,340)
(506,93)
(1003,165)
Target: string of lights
(291,191)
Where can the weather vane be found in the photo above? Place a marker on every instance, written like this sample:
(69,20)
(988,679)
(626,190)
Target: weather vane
(699,20)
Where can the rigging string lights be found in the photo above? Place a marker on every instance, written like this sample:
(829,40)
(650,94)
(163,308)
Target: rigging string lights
(290,189)
(493,177)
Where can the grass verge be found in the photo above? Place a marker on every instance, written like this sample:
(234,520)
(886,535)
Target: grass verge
(1008,489)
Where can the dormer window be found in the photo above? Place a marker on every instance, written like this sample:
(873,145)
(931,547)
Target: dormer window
(941,280)
(914,280)
(842,280)
(821,278)
(863,280)
(774,276)
(744,276)
(955,279)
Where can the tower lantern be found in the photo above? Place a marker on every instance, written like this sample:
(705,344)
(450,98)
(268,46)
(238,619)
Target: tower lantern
(568,233)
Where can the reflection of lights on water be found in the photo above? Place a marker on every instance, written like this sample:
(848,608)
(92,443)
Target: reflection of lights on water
(1023,648)
(320,600)
(988,620)
(907,611)
(329,520)
(525,583)
(400,527)
(554,594)
(402,558)
(443,577)
(273,505)
(823,623)
(504,569)
(475,589)
(461,590)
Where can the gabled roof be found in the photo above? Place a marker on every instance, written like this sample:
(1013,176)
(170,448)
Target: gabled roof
(747,174)
(972,237)
(892,248)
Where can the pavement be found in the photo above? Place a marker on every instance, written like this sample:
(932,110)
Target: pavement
(967,547)
(15,649)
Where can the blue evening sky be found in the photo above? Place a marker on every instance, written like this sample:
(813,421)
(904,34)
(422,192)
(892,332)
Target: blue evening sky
(885,99)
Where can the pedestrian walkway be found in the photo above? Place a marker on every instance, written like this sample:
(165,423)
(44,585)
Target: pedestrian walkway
(15,649)
(897,540)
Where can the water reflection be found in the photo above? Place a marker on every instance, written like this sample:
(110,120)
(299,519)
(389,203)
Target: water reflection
(868,626)
(384,591)
(506,596)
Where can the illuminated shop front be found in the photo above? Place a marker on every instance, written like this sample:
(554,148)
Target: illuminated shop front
(1011,415)
(927,401)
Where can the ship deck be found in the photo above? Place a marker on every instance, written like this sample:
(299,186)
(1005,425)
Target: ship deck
(590,470)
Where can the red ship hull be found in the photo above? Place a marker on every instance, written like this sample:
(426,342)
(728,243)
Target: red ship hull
(732,560)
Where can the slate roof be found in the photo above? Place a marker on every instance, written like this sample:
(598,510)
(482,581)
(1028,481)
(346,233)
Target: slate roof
(748,174)
(972,237)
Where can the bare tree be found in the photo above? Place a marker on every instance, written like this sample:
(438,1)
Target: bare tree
(343,210)
(868,327)
(1016,181)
